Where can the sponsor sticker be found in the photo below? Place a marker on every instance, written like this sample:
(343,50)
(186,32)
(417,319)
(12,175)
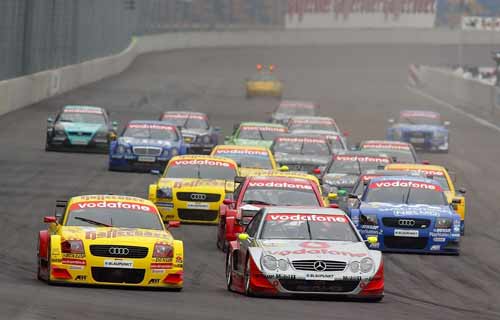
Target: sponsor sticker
(198,205)
(439,239)
(127,264)
(202,162)
(436,247)
(146,159)
(112,205)
(119,233)
(406,233)
(241,152)
(79,142)
(183,116)
(264,129)
(419,114)
(427,172)
(297,104)
(387,146)
(384,160)
(82,110)
(405,184)
(199,183)
(72,261)
(151,126)
(307,217)
(161,266)
(301,140)
(280,185)
(158,271)
(74,267)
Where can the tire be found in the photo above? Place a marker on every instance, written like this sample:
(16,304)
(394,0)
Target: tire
(176,289)
(39,264)
(229,271)
(247,288)
(48,265)
(374,300)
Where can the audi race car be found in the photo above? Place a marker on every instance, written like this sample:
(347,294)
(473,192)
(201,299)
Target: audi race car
(145,145)
(423,129)
(293,108)
(455,197)
(301,153)
(408,214)
(193,187)
(264,83)
(250,160)
(255,192)
(401,152)
(80,128)
(256,134)
(336,140)
(304,251)
(345,167)
(112,241)
(196,130)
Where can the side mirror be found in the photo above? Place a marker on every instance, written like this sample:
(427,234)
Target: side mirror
(284,168)
(391,120)
(243,236)
(332,196)
(447,123)
(239,179)
(341,193)
(371,240)
(227,202)
(316,171)
(49,219)
(462,190)
(173,224)
(50,120)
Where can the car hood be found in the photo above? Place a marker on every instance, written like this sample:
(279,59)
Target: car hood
(145,142)
(405,210)
(194,132)
(285,158)
(419,128)
(82,126)
(253,143)
(125,236)
(340,179)
(211,185)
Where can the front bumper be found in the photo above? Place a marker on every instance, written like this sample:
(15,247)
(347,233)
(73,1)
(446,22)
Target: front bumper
(134,163)
(66,145)
(200,148)
(190,212)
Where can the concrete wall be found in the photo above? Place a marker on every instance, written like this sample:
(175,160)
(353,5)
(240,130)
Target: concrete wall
(20,92)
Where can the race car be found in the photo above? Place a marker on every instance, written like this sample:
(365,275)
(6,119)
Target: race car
(304,251)
(312,123)
(80,128)
(256,192)
(193,187)
(345,167)
(401,152)
(196,130)
(423,129)
(109,240)
(455,197)
(336,140)
(301,153)
(264,83)
(292,108)
(409,214)
(145,145)
(250,160)
(258,134)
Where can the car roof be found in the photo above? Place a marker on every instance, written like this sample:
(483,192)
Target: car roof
(276,178)
(314,131)
(311,210)
(202,157)
(422,112)
(108,197)
(406,178)
(385,142)
(239,147)
(83,107)
(300,136)
(360,153)
(162,123)
(262,124)
(319,118)
(186,112)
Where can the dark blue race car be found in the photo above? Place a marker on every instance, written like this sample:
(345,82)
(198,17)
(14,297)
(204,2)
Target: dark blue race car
(408,214)
(423,129)
(145,145)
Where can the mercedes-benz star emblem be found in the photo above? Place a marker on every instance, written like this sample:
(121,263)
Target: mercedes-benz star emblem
(406,222)
(319,266)
(198,197)
(118,251)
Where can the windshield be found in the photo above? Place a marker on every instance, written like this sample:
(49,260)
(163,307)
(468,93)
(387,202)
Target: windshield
(260,133)
(196,171)
(247,158)
(147,131)
(424,119)
(312,125)
(281,196)
(186,122)
(357,166)
(308,227)
(302,146)
(405,192)
(97,118)
(120,215)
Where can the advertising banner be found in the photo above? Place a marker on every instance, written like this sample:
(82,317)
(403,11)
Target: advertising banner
(451,12)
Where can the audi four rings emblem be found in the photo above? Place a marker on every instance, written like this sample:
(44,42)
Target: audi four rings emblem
(198,196)
(118,251)
(319,266)
(406,222)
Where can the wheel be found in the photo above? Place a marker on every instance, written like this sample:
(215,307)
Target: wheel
(39,264)
(229,271)
(248,289)
(48,265)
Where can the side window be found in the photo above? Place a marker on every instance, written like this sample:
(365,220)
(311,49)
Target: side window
(253,226)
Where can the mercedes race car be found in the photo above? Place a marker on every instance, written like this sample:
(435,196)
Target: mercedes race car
(264,83)
(336,140)
(80,128)
(423,129)
(304,251)
(112,241)
(257,134)
(293,108)
(456,197)
(196,130)
(145,145)
(408,214)
(256,192)
(193,187)
(301,153)
(250,160)
(401,152)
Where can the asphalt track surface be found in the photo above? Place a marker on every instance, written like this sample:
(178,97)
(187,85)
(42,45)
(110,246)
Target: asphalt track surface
(359,85)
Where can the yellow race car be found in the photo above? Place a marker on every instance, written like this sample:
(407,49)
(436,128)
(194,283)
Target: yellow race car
(109,240)
(193,187)
(455,197)
(252,161)
(264,83)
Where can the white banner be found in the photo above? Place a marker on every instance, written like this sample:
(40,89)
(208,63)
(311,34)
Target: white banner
(481,23)
(328,14)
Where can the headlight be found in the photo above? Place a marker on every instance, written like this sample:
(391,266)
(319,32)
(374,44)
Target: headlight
(366,265)
(283,264)
(269,262)
(174,152)
(165,193)
(354,266)
(443,223)
(205,139)
(368,219)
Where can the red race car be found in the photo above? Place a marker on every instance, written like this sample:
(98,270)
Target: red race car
(256,192)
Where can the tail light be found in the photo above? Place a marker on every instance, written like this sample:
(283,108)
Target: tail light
(163,250)
(72,246)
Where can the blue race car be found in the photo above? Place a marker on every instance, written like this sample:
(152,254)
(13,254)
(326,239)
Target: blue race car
(423,129)
(408,214)
(145,145)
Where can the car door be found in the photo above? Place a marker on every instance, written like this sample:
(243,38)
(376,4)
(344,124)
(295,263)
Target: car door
(251,230)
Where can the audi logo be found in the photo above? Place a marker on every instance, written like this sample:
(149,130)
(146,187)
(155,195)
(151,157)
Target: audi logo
(198,196)
(406,222)
(319,266)
(118,251)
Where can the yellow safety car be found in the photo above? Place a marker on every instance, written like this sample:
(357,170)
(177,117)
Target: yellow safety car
(264,83)
(251,160)
(109,240)
(193,187)
(455,197)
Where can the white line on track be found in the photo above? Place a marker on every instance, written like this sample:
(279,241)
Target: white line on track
(452,107)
